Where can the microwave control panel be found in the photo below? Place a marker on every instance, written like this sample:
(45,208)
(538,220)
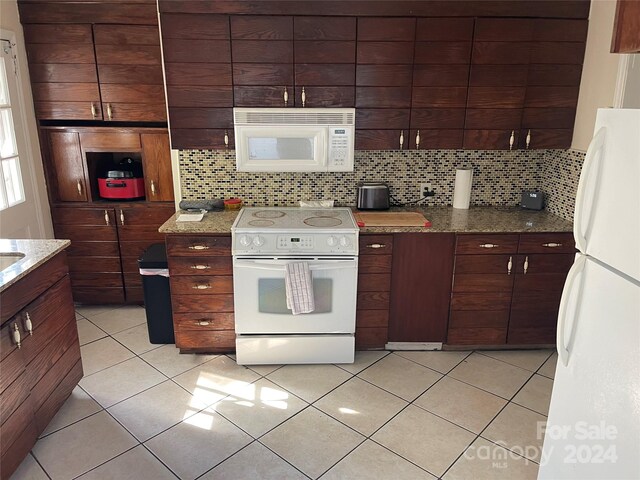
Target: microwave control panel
(341,148)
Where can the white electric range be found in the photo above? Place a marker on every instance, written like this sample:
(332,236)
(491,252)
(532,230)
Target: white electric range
(264,240)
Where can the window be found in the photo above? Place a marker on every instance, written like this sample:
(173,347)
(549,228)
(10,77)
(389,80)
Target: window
(11,190)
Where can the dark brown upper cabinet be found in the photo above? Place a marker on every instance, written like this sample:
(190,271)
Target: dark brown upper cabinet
(96,72)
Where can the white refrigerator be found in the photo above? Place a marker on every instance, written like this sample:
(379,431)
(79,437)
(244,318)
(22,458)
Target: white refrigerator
(593,428)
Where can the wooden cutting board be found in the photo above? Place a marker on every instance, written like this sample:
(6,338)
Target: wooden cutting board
(391,219)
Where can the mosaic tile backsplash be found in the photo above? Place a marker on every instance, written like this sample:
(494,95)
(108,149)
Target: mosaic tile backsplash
(559,180)
(498,177)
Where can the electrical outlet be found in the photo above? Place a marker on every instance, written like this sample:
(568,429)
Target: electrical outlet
(426,190)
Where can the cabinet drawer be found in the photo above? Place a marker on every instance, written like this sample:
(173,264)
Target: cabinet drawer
(202,303)
(155,215)
(181,246)
(86,234)
(213,340)
(204,321)
(201,285)
(83,216)
(66,110)
(116,142)
(547,243)
(375,245)
(200,266)
(484,264)
(486,244)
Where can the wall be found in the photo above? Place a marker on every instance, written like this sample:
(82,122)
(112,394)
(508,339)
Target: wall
(34,172)
(599,72)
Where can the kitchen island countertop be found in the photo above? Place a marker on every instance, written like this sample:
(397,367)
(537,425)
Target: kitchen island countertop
(36,252)
(443,219)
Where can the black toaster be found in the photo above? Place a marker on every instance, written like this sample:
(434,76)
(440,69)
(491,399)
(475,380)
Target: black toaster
(373,196)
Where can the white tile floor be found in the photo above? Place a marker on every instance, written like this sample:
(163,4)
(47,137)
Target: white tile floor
(143,411)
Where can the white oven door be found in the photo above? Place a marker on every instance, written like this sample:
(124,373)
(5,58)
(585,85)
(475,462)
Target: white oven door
(260,300)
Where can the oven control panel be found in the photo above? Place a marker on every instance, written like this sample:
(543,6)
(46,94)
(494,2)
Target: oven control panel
(300,242)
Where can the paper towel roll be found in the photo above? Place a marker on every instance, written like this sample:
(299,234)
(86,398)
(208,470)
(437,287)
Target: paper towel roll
(462,188)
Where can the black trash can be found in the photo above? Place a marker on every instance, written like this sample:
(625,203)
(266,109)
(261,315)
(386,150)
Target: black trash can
(154,270)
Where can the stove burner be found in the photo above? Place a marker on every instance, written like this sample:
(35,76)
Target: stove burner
(322,221)
(269,214)
(261,223)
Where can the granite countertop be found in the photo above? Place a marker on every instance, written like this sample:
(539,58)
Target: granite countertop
(36,252)
(443,219)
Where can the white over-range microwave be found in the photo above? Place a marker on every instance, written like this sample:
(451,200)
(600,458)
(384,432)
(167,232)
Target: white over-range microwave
(294,139)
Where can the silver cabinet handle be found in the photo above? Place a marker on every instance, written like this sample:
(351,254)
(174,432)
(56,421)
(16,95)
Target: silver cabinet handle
(512,139)
(199,247)
(226,139)
(418,140)
(122,217)
(509,265)
(109,111)
(528,142)
(304,97)
(285,96)
(28,325)
(552,245)
(200,267)
(376,245)
(525,267)
(106,218)
(401,139)
(488,245)
(16,335)
(94,113)
(153,188)
(79,187)
(201,286)
(202,323)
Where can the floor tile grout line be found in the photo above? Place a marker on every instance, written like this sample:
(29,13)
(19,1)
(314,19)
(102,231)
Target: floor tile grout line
(160,460)
(509,450)
(281,457)
(343,457)
(39,464)
(482,352)
(431,368)
(106,461)
(402,457)
(370,365)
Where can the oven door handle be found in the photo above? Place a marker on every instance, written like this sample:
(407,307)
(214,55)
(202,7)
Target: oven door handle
(334,265)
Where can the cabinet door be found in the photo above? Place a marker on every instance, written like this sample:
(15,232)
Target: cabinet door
(63,72)
(156,163)
(384,62)
(65,155)
(421,287)
(626,29)
(130,72)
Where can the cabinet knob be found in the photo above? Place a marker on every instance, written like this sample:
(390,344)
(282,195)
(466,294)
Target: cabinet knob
(109,111)
(552,245)
(201,286)
(528,141)
(488,245)
(106,218)
(28,325)
(304,97)
(16,335)
(199,247)
(512,139)
(418,140)
(376,245)
(94,113)
(153,188)
(200,267)
(401,139)
(79,187)
(509,265)
(525,266)
(122,217)
(226,139)
(285,96)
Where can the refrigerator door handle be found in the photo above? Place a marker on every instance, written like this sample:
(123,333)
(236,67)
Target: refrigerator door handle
(564,339)
(590,169)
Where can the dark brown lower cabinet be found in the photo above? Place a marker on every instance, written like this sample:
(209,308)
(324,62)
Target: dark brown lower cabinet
(38,375)
(507,288)
(421,286)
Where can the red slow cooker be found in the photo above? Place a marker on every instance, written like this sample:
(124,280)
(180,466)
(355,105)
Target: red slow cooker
(121,184)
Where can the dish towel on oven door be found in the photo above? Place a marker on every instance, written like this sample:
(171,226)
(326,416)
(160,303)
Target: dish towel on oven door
(299,287)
